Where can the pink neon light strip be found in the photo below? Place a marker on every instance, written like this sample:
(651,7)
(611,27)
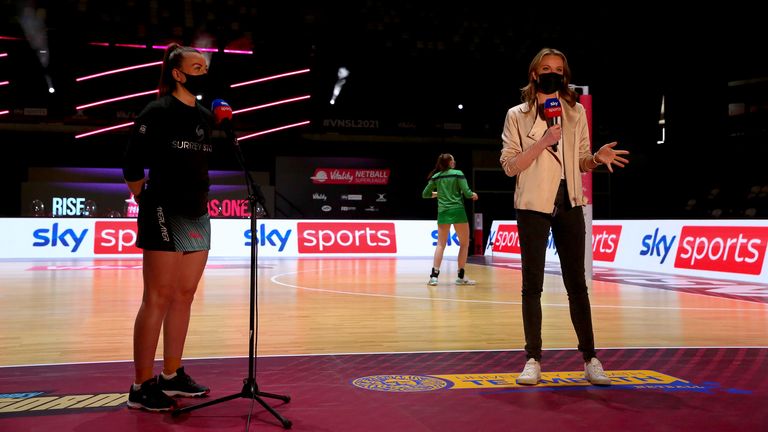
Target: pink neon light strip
(273,130)
(162,47)
(271,104)
(103,130)
(270,78)
(114,71)
(199,49)
(9,38)
(229,51)
(3,54)
(4,112)
(130,45)
(116,99)
(2,83)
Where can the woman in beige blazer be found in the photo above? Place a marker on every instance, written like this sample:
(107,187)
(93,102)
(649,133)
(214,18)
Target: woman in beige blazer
(547,152)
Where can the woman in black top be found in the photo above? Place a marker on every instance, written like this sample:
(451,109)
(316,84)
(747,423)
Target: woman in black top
(171,137)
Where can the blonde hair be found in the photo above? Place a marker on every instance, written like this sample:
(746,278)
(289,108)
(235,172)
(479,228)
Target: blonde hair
(529,91)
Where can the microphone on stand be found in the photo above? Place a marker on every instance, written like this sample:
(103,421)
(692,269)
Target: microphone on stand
(552,113)
(222,114)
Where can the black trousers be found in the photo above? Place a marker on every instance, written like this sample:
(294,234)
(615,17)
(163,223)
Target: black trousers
(568,231)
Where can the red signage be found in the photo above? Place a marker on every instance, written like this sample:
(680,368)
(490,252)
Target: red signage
(507,239)
(605,242)
(730,249)
(346,237)
(118,237)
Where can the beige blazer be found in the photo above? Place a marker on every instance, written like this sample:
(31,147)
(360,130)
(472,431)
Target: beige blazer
(539,172)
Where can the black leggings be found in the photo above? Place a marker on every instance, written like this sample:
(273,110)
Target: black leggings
(568,231)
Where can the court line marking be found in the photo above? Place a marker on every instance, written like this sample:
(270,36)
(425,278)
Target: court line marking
(388,353)
(274,279)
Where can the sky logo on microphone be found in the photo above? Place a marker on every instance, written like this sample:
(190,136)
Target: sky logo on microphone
(222,112)
(552,113)
(220,105)
(552,108)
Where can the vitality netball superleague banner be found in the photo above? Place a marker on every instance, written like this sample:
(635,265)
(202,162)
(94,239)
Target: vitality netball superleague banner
(732,249)
(111,238)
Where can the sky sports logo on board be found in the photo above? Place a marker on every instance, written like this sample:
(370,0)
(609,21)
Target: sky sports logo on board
(722,248)
(115,237)
(346,237)
(605,241)
(507,239)
(110,237)
(59,236)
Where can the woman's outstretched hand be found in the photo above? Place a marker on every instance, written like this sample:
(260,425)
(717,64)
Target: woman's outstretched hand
(610,156)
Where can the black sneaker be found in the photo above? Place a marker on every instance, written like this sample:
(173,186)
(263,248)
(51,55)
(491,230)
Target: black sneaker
(182,385)
(150,397)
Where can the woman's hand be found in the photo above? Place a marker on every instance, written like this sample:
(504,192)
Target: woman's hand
(552,135)
(609,156)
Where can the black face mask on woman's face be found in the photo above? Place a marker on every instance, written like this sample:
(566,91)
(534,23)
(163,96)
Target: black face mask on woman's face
(195,84)
(549,83)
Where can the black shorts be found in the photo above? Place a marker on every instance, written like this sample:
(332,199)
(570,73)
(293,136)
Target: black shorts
(161,230)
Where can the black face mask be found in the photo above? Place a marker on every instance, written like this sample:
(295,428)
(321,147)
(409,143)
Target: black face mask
(549,83)
(196,84)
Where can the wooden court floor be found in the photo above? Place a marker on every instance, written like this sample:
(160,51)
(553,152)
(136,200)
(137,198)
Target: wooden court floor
(64,311)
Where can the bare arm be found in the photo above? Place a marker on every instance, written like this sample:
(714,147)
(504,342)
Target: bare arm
(136,187)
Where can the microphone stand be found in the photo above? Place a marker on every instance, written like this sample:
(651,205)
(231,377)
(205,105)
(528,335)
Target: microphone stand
(250,387)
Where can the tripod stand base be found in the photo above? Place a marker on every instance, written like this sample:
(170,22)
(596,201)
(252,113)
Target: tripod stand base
(250,391)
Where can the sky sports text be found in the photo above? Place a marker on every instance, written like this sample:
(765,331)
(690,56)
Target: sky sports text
(723,248)
(605,241)
(347,237)
(732,249)
(119,237)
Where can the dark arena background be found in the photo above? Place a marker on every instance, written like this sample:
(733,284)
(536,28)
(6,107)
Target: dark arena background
(411,64)
(341,109)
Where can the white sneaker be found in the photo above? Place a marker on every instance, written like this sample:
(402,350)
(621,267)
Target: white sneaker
(460,281)
(594,373)
(432,281)
(531,373)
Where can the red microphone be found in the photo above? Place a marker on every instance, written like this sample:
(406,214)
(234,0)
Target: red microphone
(552,113)
(222,114)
